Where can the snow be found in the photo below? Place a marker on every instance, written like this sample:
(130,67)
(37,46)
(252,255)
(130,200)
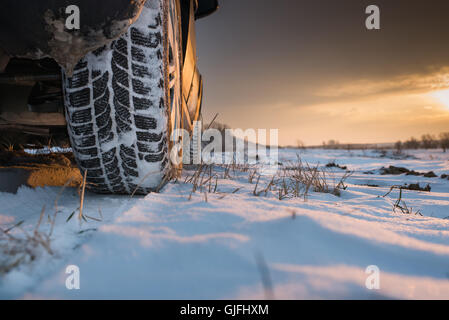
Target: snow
(167,246)
(48,150)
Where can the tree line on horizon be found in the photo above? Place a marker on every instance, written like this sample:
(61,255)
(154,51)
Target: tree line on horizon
(427,141)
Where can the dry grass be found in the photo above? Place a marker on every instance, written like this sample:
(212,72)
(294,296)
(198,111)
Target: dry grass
(18,246)
(293,180)
(298,179)
(83,191)
(23,246)
(202,180)
(400,204)
(18,140)
(82,194)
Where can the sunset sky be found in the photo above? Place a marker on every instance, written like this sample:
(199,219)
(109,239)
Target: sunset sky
(311,69)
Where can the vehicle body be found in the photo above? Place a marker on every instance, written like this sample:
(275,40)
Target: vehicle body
(42,65)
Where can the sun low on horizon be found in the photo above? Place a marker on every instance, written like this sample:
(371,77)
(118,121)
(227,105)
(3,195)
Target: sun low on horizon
(442,97)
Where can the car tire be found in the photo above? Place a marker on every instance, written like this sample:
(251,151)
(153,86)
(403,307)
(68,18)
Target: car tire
(123,105)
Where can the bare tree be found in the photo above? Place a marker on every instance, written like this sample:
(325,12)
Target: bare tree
(333,144)
(428,141)
(398,146)
(300,144)
(444,140)
(413,143)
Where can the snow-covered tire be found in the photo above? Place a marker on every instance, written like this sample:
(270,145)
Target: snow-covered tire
(123,103)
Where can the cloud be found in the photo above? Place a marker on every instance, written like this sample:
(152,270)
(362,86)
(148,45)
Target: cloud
(410,83)
(371,119)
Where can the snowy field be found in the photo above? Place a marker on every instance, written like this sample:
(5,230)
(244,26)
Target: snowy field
(238,237)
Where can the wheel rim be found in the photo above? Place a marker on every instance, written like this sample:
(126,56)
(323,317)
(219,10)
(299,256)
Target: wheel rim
(174,73)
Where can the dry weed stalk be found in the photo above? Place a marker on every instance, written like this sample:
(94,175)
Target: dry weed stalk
(293,180)
(83,190)
(400,204)
(297,179)
(16,250)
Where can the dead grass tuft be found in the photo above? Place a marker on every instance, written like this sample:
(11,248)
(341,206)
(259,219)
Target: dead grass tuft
(400,204)
(23,246)
(298,179)
(292,180)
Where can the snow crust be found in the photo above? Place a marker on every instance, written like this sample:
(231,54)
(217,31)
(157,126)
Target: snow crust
(165,246)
